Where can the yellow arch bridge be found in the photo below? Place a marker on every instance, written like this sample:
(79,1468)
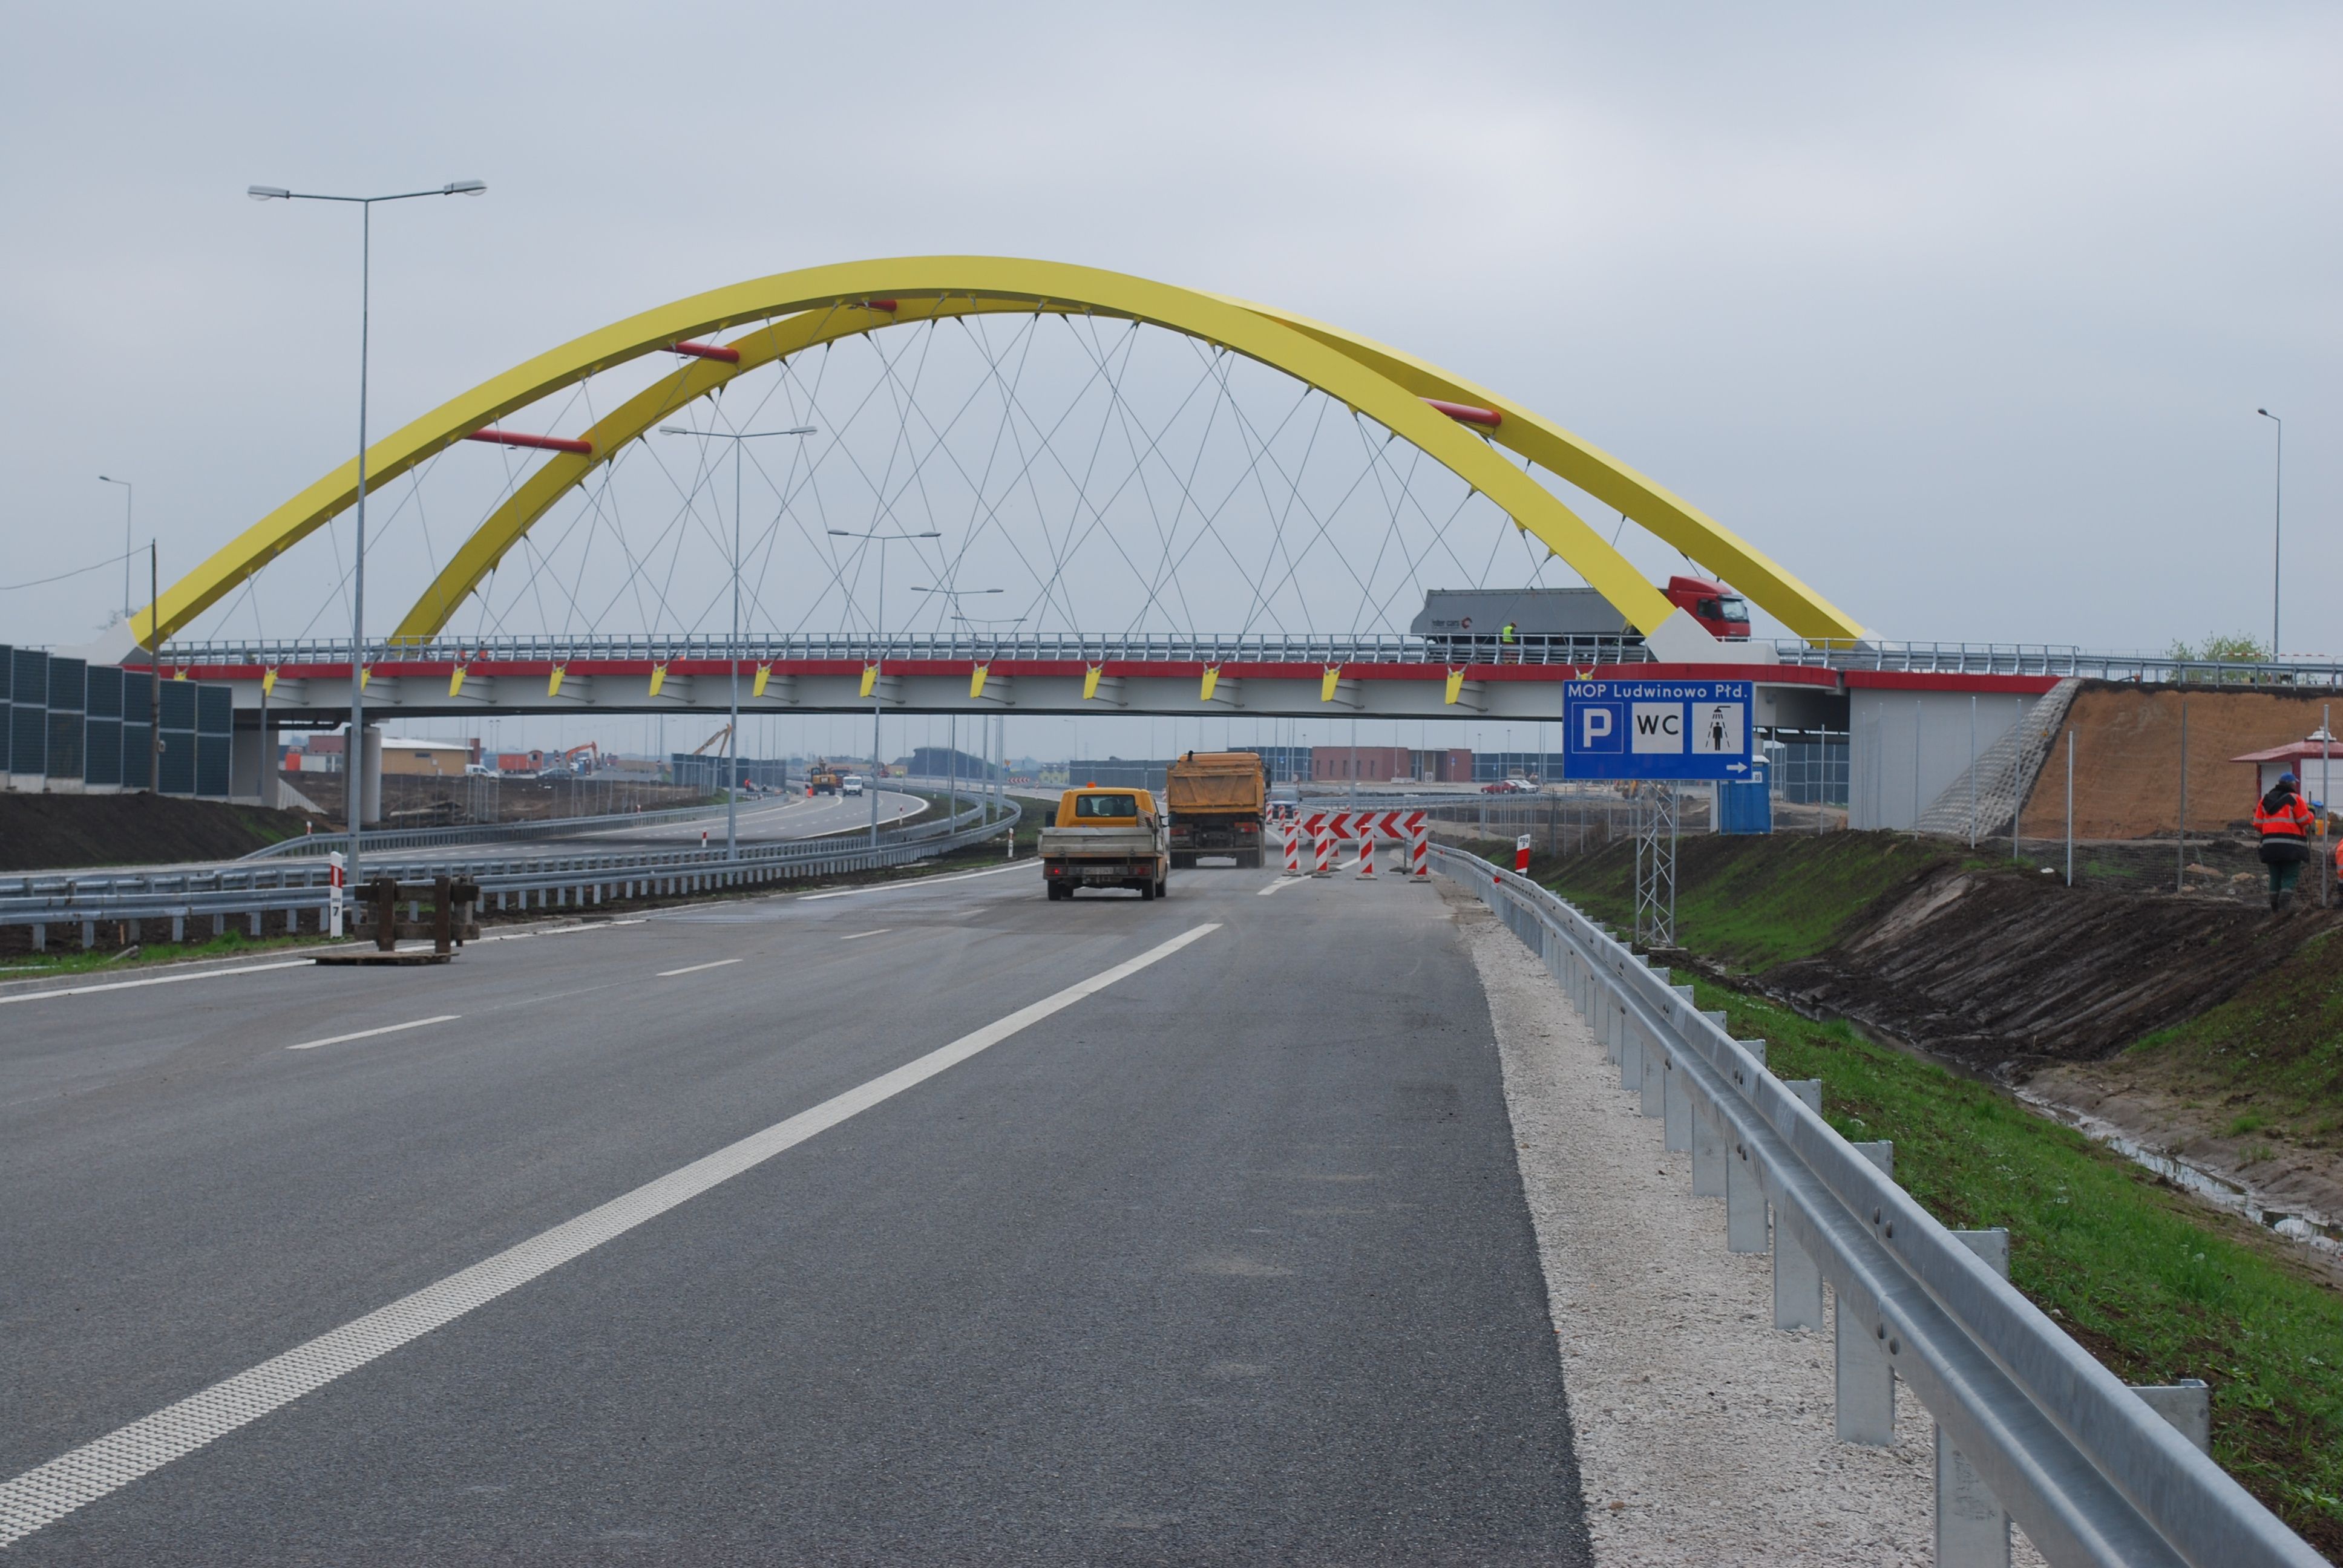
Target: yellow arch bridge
(726,332)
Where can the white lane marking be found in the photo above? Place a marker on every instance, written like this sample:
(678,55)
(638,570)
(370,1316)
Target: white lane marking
(49,1491)
(695,968)
(154,980)
(857,936)
(1281,882)
(915,882)
(370,1034)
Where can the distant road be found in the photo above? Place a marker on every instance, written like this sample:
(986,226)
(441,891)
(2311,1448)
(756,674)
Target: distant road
(928,1223)
(764,821)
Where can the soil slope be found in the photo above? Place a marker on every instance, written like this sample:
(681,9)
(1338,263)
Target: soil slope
(62,832)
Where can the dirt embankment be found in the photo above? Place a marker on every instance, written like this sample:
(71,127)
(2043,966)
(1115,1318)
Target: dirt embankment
(59,832)
(2127,758)
(1994,967)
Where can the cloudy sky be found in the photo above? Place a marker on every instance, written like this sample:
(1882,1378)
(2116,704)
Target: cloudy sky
(1964,315)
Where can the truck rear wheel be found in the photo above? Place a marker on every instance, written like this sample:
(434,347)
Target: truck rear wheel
(1058,890)
(1147,888)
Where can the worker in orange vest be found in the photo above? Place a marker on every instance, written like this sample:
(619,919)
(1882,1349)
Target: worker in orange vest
(2284,820)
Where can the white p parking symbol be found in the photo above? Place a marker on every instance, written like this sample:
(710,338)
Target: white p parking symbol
(1595,724)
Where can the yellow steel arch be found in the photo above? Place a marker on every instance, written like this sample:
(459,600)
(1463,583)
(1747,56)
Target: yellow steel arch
(1664,514)
(1377,382)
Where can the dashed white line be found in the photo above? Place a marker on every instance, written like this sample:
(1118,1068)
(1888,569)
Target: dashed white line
(695,968)
(857,936)
(370,1034)
(1281,882)
(47,1493)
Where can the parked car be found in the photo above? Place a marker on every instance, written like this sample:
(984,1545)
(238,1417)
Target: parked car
(1510,787)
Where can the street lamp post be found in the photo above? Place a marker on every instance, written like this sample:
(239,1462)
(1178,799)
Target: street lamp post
(2277,522)
(951,736)
(879,668)
(732,729)
(129,496)
(353,754)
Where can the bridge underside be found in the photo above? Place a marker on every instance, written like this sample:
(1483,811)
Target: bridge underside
(1788,696)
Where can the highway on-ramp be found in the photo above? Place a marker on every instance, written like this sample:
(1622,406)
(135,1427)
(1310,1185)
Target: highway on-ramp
(930,1222)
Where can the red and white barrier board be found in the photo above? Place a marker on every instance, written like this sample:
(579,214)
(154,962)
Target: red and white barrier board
(1368,828)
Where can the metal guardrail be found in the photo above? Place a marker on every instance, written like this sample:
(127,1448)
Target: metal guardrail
(554,881)
(2032,1424)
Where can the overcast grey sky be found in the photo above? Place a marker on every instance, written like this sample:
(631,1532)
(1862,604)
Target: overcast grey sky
(1964,315)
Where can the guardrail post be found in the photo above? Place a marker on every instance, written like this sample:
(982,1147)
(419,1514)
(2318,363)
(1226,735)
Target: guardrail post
(2186,1404)
(1745,1202)
(40,938)
(88,935)
(1798,1281)
(1972,1527)
(1866,1382)
(1655,1085)
(1707,1154)
(1676,1131)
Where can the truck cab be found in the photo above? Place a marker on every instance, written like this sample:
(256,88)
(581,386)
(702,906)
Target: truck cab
(1721,613)
(1106,838)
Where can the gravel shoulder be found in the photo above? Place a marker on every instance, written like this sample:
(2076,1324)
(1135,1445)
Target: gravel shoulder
(1704,1437)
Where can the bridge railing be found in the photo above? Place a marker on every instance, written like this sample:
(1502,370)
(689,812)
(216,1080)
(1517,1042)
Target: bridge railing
(2029,1426)
(2051,659)
(1161,647)
(254,892)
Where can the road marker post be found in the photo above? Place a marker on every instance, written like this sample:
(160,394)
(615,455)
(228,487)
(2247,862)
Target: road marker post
(337,871)
(1522,855)
(1322,849)
(1293,851)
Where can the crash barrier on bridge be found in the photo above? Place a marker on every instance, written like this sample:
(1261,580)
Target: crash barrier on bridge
(2029,1427)
(288,893)
(1368,828)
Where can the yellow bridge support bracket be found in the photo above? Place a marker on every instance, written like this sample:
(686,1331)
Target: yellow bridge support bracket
(553,682)
(1212,679)
(659,678)
(976,679)
(1090,674)
(1456,687)
(788,312)
(764,674)
(1327,682)
(455,681)
(869,678)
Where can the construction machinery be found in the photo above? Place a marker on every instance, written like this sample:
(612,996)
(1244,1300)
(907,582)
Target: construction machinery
(823,780)
(1216,800)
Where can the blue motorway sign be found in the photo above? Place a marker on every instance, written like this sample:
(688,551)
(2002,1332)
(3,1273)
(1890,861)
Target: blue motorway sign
(1688,729)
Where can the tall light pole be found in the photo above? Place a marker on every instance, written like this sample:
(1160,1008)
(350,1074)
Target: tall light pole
(2277,524)
(129,496)
(951,738)
(354,753)
(879,668)
(732,729)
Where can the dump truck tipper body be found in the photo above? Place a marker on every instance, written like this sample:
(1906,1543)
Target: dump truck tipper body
(1106,838)
(1216,800)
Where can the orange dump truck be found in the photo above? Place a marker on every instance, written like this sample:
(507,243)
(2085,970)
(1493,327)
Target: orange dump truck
(1105,839)
(1217,799)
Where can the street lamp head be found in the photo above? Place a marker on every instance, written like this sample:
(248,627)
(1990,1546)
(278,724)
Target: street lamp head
(465,187)
(268,193)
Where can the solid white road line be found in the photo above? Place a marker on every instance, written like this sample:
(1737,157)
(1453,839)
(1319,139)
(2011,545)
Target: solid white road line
(695,968)
(154,980)
(370,1034)
(857,936)
(1281,882)
(48,1492)
(916,882)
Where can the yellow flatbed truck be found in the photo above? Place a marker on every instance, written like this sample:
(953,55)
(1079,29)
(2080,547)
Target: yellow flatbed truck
(1106,838)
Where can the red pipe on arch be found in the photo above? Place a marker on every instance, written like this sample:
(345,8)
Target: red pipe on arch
(497,437)
(886,305)
(707,351)
(1467,414)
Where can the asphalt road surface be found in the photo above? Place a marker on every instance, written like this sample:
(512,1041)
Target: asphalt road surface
(931,1223)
